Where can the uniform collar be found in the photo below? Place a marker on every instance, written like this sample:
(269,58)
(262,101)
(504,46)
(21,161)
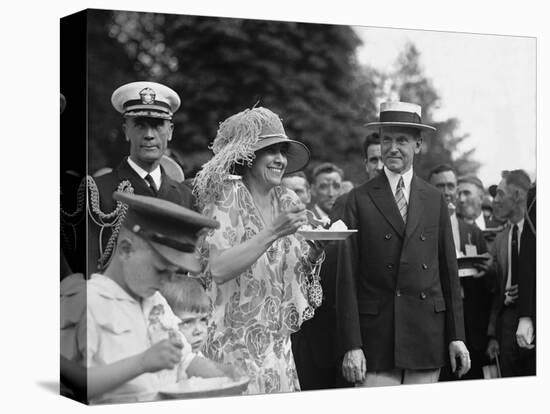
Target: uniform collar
(108,288)
(156,173)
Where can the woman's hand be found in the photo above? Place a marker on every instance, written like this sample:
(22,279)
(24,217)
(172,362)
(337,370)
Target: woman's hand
(289,221)
(317,247)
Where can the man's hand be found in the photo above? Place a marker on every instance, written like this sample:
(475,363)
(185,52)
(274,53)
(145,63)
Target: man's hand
(483,267)
(354,366)
(458,350)
(511,295)
(525,333)
(493,348)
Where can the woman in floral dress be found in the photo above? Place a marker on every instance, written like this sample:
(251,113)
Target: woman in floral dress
(261,276)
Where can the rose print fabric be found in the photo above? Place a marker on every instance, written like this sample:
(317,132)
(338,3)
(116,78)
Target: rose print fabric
(255,313)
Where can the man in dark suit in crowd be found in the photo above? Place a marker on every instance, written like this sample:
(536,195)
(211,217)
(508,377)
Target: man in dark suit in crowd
(475,289)
(373,155)
(314,345)
(399,309)
(147,108)
(510,204)
(298,183)
(527,304)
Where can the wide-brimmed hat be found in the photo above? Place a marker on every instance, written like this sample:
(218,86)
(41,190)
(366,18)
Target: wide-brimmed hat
(170,229)
(400,114)
(273,133)
(237,141)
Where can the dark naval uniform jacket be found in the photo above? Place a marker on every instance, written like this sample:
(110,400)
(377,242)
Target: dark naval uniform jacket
(107,184)
(398,292)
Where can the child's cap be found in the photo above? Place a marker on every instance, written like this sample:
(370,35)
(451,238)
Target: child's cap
(171,229)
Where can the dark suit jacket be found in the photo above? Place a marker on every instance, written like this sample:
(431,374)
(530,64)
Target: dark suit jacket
(107,184)
(499,251)
(398,293)
(477,291)
(528,261)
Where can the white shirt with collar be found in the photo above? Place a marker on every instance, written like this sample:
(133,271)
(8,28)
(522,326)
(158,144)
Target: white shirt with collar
(456,232)
(480,222)
(156,173)
(393,178)
(520,230)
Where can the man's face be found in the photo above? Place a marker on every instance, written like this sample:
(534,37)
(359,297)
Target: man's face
(446,183)
(504,203)
(300,187)
(194,327)
(148,139)
(374,163)
(399,145)
(326,189)
(470,198)
(144,270)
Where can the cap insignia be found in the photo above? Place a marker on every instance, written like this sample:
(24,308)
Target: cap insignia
(147,96)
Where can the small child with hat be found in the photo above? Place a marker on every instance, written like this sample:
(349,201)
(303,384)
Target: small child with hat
(124,332)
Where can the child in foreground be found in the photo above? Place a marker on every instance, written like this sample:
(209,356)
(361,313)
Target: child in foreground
(124,332)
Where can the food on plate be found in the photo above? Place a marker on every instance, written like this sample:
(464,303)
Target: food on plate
(338,226)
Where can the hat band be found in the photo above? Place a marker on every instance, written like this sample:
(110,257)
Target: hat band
(400,116)
(165,241)
(140,103)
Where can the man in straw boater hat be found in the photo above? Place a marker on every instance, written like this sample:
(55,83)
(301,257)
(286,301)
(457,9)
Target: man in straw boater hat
(147,109)
(399,309)
(127,336)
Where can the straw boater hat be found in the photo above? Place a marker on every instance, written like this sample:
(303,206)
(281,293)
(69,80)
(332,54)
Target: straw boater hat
(402,114)
(239,137)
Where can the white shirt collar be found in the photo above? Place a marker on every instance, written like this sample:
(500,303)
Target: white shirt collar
(393,178)
(480,222)
(320,211)
(156,174)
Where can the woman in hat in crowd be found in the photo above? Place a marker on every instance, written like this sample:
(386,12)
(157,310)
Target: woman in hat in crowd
(261,276)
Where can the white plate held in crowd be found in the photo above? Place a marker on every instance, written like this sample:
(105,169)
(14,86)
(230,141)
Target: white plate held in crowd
(205,387)
(326,234)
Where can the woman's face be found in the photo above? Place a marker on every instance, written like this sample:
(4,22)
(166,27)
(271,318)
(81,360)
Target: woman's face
(269,165)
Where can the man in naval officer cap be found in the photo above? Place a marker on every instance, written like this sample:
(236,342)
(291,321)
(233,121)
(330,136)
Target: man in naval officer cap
(147,109)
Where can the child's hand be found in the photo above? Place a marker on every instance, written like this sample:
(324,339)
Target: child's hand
(162,355)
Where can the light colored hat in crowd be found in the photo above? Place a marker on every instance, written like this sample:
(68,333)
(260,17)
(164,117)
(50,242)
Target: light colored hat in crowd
(239,137)
(170,229)
(402,114)
(146,99)
(172,169)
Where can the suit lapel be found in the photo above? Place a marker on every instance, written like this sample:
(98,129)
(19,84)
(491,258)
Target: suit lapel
(416,200)
(504,257)
(384,200)
(125,172)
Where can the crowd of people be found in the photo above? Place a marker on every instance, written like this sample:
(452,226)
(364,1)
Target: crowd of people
(211,277)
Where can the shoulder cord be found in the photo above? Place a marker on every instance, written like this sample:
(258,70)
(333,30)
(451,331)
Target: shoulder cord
(112,220)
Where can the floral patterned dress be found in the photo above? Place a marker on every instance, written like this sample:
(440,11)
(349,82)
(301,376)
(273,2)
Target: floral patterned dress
(255,313)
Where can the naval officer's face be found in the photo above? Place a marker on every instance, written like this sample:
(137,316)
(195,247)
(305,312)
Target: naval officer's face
(399,145)
(148,139)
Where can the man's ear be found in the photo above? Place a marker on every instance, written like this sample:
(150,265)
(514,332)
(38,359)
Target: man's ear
(171,131)
(124,130)
(125,248)
(418,145)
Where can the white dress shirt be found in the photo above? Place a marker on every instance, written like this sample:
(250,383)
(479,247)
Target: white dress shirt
(393,178)
(155,174)
(480,222)
(456,232)
(509,270)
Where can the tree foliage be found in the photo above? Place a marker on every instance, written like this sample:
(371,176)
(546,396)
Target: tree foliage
(307,73)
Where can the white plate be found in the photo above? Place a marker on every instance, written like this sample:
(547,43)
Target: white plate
(326,234)
(183,389)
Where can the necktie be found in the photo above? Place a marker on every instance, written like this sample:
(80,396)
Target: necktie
(151,183)
(514,255)
(400,199)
